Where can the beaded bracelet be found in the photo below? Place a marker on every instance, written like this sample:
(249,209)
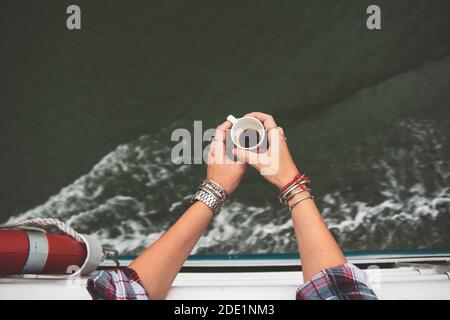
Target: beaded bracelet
(297,185)
(298,176)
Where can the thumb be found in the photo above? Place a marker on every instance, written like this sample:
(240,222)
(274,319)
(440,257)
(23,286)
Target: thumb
(247,156)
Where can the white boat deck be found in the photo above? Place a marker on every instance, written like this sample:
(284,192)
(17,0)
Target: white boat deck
(409,278)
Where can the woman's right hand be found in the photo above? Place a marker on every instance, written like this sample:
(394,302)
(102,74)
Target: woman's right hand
(225,172)
(276,164)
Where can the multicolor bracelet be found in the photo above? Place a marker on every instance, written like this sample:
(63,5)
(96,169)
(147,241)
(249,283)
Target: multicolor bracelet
(297,185)
(297,178)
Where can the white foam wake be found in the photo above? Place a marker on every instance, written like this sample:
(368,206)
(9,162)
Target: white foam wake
(134,193)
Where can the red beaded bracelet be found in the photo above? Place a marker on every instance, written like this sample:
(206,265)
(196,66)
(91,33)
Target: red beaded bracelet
(299,179)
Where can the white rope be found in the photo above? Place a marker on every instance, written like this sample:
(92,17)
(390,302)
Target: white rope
(45,222)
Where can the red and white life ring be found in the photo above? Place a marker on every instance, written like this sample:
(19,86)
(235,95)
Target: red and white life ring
(30,252)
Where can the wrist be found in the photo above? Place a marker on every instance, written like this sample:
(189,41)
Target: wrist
(285,178)
(283,181)
(286,173)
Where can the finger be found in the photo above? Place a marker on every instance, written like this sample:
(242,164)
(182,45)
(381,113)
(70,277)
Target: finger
(218,152)
(211,149)
(221,131)
(246,156)
(211,154)
(265,118)
(226,125)
(258,115)
(217,147)
(276,134)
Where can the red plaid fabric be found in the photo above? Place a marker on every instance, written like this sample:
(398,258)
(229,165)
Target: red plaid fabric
(117,284)
(345,282)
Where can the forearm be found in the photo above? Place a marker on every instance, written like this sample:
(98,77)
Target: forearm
(317,247)
(158,266)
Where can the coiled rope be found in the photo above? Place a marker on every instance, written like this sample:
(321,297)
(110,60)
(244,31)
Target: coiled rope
(45,222)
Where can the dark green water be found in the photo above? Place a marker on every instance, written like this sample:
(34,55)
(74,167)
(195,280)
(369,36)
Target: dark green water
(86,116)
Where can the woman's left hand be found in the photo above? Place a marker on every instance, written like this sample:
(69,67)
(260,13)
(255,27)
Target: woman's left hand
(221,169)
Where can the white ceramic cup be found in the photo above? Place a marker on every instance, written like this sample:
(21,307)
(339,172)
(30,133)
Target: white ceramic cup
(244,125)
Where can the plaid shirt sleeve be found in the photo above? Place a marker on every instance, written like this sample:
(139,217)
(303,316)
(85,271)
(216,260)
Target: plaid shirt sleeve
(117,284)
(344,282)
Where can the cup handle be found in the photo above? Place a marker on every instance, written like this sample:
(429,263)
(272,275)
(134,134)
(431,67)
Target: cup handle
(232,119)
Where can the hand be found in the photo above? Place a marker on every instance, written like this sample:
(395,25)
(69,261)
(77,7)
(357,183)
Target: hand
(221,169)
(276,164)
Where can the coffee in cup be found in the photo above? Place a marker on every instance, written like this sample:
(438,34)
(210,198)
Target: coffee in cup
(247,132)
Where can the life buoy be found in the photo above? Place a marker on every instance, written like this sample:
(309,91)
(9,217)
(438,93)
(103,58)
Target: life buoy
(30,252)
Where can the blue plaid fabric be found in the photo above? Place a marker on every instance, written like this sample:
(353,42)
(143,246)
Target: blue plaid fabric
(344,282)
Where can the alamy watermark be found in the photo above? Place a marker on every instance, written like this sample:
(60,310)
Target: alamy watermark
(73,21)
(213,146)
(373,22)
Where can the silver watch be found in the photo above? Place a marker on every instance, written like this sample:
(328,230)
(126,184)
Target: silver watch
(207,198)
